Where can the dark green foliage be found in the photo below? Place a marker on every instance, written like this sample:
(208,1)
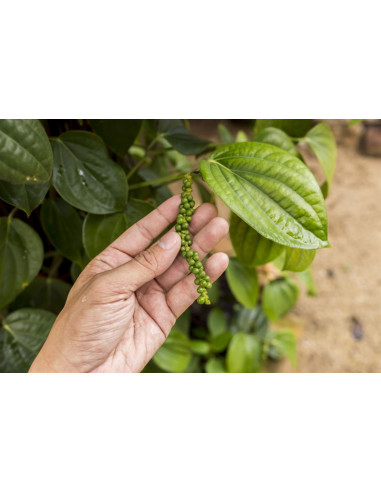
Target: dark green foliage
(63,201)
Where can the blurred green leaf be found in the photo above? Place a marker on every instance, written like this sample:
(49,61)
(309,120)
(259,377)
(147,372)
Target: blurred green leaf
(219,342)
(241,136)
(118,135)
(25,332)
(279,297)
(200,347)
(297,260)
(216,321)
(214,365)
(322,141)
(63,226)
(21,256)
(85,176)
(175,354)
(244,354)
(285,343)
(354,122)
(43,293)
(251,320)
(25,153)
(225,135)
(308,280)
(251,248)
(183,322)
(243,282)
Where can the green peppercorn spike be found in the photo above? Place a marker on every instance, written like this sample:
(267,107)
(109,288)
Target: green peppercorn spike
(183,221)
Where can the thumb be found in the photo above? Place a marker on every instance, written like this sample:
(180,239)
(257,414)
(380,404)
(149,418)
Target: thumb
(148,264)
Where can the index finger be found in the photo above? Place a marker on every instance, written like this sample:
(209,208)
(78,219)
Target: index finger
(139,236)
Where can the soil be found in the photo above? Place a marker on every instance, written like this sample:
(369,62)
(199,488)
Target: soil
(339,330)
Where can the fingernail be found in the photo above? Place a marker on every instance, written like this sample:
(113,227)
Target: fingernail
(169,240)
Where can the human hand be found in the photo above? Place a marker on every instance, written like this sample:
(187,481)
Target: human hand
(125,302)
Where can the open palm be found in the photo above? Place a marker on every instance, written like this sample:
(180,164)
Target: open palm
(125,302)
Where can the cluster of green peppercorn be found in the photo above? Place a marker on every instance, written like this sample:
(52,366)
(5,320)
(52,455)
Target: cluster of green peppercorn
(184,218)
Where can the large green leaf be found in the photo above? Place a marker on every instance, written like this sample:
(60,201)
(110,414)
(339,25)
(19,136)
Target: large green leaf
(175,354)
(279,297)
(25,152)
(251,248)
(181,139)
(243,282)
(63,226)
(244,353)
(297,260)
(271,190)
(277,137)
(322,142)
(25,333)
(24,196)
(119,135)
(85,176)
(294,128)
(21,255)
(44,293)
(101,230)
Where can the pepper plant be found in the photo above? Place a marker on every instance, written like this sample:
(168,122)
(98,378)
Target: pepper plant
(68,188)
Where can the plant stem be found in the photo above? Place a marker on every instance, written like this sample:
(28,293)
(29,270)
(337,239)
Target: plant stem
(166,179)
(143,159)
(56,263)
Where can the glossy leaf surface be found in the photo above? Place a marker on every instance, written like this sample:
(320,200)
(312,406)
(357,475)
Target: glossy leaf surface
(251,248)
(21,255)
(271,190)
(63,226)
(119,135)
(43,293)
(25,332)
(24,196)
(25,152)
(85,176)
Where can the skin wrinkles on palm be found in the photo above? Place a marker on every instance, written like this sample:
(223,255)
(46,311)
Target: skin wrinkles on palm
(109,326)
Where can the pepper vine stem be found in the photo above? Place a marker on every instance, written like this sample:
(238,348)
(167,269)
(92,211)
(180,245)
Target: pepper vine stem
(166,179)
(143,159)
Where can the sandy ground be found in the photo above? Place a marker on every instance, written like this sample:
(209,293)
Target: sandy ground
(339,330)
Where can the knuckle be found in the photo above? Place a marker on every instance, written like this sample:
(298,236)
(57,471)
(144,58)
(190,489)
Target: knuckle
(148,260)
